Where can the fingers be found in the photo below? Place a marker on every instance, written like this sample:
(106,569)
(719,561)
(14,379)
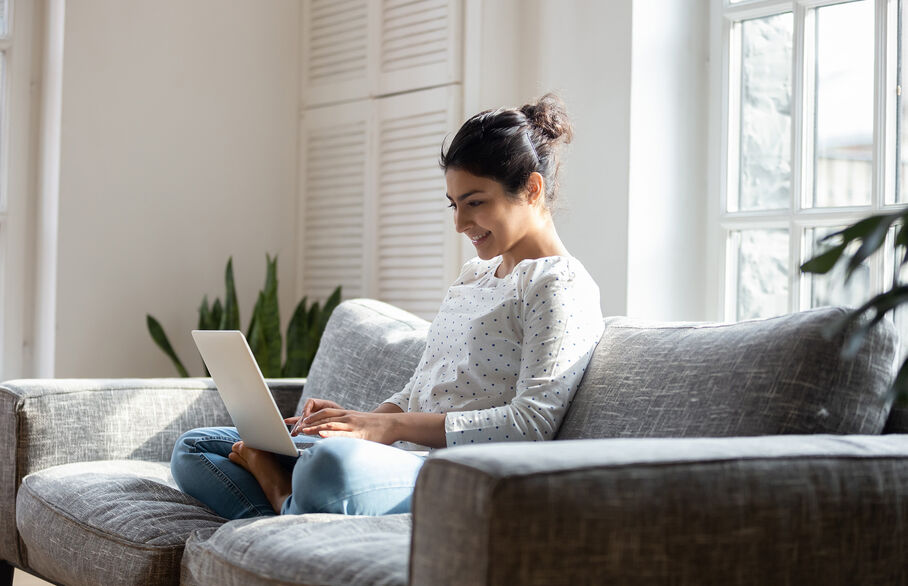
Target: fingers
(327,427)
(323,414)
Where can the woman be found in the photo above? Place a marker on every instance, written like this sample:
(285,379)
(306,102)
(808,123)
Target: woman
(503,356)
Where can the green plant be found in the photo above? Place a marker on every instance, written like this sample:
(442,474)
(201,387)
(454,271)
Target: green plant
(304,332)
(852,246)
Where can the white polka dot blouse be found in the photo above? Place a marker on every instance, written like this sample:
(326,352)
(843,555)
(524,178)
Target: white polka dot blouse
(504,356)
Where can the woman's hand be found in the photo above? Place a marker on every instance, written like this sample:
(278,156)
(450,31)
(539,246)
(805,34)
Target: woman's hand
(337,422)
(312,405)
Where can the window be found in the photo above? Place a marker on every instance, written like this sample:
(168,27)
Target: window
(812,129)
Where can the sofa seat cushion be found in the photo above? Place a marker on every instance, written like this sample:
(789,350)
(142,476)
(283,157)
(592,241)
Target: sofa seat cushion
(781,375)
(108,522)
(301,549)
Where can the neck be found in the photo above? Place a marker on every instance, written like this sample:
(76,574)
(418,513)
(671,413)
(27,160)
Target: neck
(544,242)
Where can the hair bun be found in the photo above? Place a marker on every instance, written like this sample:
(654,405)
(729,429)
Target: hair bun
(549,115)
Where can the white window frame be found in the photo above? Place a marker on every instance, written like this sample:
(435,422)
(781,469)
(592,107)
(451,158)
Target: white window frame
(797,216)
(17,183)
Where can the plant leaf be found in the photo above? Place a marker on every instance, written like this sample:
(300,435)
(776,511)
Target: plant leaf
(823,263)
(880,305)
(268,319)
(297,331)
(230,320)
(332,302)
(256,338)
(217,313)
(160,338)
(874,237)
(900,385)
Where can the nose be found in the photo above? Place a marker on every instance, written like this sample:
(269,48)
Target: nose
(460,220)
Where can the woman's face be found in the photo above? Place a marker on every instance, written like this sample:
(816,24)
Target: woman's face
(495,223)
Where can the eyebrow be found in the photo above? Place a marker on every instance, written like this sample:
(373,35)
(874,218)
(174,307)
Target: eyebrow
(464,196)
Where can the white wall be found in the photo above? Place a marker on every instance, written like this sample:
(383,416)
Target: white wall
(581,49)
(178,150)
(668,195)
(634,75)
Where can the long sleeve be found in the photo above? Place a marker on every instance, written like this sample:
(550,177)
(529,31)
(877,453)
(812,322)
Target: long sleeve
(561,324)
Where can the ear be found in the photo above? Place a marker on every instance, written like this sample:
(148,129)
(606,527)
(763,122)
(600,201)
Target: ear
(535,189)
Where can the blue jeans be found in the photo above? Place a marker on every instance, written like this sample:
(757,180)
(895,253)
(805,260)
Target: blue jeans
(336,475)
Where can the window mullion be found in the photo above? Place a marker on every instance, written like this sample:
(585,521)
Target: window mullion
(799,150)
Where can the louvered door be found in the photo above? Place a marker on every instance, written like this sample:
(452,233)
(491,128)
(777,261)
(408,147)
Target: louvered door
(333,164)
(417,44)
(337,40)
(415,255)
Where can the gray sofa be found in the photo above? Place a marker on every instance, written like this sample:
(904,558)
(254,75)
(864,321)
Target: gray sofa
(745,453)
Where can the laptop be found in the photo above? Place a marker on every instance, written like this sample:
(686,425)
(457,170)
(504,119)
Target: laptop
(242,387)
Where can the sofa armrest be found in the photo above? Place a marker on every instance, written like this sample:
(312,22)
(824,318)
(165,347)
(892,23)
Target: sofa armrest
(48,422)
(776,509)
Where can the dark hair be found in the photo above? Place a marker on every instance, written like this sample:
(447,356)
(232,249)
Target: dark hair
(509,144)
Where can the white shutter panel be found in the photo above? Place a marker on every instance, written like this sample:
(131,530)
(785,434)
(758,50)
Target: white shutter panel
(335,50)
(416,255)
(333,159)
(418,44)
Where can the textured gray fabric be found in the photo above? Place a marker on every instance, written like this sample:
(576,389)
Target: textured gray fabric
(368,352)
(114,522)
(45,423)
(768,510)
(304,549)
(762,377)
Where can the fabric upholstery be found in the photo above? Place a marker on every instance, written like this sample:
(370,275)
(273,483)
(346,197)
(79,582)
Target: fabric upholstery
(762,377)
(368,352)
(763,510)
(114,522)
(44,423)
(307,549)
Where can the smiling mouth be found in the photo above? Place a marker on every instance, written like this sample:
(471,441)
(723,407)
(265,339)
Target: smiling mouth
(477,240)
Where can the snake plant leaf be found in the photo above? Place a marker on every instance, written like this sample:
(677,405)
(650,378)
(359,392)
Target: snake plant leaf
(823,263)
(230,320)
(210,318)
(310,342)
(332,302)
(160,338)
(204,314)
(268,319)
(297,330)
(257,342)
(217,312)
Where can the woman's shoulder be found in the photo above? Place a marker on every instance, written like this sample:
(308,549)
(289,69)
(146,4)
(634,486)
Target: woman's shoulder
(565,269)
(475,269)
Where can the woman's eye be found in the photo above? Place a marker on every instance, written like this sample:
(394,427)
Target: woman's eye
(474,204)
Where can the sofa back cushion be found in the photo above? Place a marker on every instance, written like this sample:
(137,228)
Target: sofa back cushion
(762,377)
(368,352)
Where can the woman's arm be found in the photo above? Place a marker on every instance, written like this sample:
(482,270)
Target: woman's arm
(386,424)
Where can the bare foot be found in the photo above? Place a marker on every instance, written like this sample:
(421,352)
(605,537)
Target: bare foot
(272,477)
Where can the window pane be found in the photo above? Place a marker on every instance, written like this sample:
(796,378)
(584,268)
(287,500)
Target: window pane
(830,289)
(762,277)
(4,11)
(843,136)
(902,109)
(765,149)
